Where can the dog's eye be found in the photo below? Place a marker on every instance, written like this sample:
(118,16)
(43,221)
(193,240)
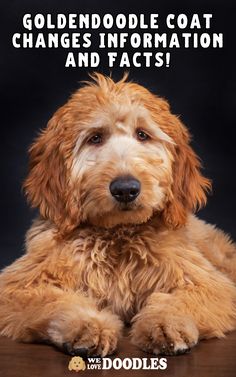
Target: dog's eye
(96,139)
(141,135)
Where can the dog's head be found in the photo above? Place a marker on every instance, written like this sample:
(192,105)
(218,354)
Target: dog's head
(77,364)
(114,154)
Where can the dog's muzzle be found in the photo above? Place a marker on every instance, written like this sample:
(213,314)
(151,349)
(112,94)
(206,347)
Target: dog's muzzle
(125,189)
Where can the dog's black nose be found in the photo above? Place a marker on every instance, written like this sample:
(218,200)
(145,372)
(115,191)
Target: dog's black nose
(125,189)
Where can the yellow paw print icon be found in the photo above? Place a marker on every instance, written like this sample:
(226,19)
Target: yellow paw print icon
(77,364)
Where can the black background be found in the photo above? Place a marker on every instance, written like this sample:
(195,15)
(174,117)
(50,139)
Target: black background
(200,85)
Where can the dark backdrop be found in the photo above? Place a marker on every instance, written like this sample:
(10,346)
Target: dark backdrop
(200,85)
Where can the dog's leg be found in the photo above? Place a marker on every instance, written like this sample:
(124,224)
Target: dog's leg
(172,323)
(215,245)
(63,317)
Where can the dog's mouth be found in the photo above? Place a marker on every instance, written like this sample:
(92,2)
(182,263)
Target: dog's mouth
(127,206)
(120,214)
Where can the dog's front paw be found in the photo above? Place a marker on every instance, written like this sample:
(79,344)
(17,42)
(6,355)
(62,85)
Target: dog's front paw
(164,334)
(96,334)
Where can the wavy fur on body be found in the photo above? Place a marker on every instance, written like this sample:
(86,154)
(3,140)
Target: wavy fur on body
(92,263)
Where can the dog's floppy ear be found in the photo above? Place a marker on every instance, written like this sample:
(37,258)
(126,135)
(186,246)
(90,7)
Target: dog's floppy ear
(189,186)
(47,184)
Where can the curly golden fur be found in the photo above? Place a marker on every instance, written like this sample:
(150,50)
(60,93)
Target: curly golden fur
(92,262)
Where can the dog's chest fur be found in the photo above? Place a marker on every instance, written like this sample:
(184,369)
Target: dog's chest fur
(118,268)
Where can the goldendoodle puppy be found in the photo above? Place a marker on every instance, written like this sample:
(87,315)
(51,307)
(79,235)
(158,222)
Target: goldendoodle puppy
(116,183)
